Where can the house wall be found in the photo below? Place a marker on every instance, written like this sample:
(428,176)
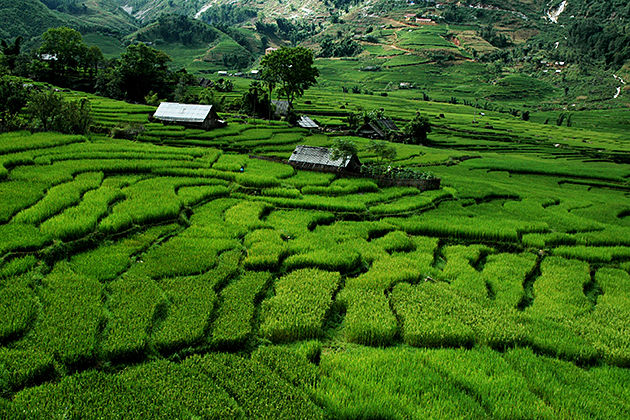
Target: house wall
(315,167)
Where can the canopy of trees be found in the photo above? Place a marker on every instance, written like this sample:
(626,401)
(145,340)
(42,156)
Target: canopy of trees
(291,69)
(66,60)
(140,70)
(345,47)
(177,28)
(594,40)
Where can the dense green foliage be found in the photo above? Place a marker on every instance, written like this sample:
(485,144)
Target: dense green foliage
(176,28)
(291,69)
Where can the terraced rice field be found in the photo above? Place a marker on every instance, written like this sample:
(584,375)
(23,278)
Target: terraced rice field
(152,279)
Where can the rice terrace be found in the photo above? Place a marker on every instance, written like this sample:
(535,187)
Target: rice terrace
(294,210)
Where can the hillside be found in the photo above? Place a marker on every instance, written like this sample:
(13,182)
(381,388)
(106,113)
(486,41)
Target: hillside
(198,46)
(30,18)
(146,10)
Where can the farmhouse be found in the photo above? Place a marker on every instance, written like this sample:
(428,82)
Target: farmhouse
(190,115)
(319,159)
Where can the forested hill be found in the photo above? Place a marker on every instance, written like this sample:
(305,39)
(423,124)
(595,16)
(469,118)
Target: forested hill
(30,18)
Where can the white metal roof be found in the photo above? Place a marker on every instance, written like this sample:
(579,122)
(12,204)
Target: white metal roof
(306,122)
(171,111)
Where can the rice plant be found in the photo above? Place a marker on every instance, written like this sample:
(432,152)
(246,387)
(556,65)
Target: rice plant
(301,302)
(257,390)
(72,312)
(22,367)
(133,304)
(17,309)
(233,325)
(190,305)
(77,221)
(59,198)
(559,291)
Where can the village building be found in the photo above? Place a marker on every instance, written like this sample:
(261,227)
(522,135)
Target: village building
(189,115)
(270,50)
(319,159)
(48,57)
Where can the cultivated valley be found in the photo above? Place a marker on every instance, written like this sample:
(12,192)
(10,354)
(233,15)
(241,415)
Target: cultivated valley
(340,209)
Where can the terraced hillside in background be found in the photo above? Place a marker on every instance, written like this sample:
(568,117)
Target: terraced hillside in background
(152,278)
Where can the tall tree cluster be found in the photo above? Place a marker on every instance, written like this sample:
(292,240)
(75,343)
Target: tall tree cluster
(291,70)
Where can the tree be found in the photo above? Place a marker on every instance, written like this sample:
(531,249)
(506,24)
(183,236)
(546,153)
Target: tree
(140,70)
(50,112)
(343,149)
(255,101)
(12,100)
(290,68)
(208,97)
(65,52)
(11,52)
(416,130)
(43,108)
(382,150)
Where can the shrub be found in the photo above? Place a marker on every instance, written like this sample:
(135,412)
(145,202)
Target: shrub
(417,129)
(52,113)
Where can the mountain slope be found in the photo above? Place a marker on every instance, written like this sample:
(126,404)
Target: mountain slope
(30,18)
(146,10)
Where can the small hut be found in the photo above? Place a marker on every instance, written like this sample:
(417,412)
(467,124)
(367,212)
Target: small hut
(281,108)
(319,159)
(379,129)
(189,115)
(306,122)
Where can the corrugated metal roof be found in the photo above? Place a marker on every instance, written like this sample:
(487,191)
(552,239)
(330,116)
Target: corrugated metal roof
(306,122)
(387,124)
(316,156)
(171,111)
(371,129)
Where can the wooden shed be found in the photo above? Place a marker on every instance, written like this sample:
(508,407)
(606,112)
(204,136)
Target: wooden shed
(379,129)
(319,159)
(190,115)
(281,108)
